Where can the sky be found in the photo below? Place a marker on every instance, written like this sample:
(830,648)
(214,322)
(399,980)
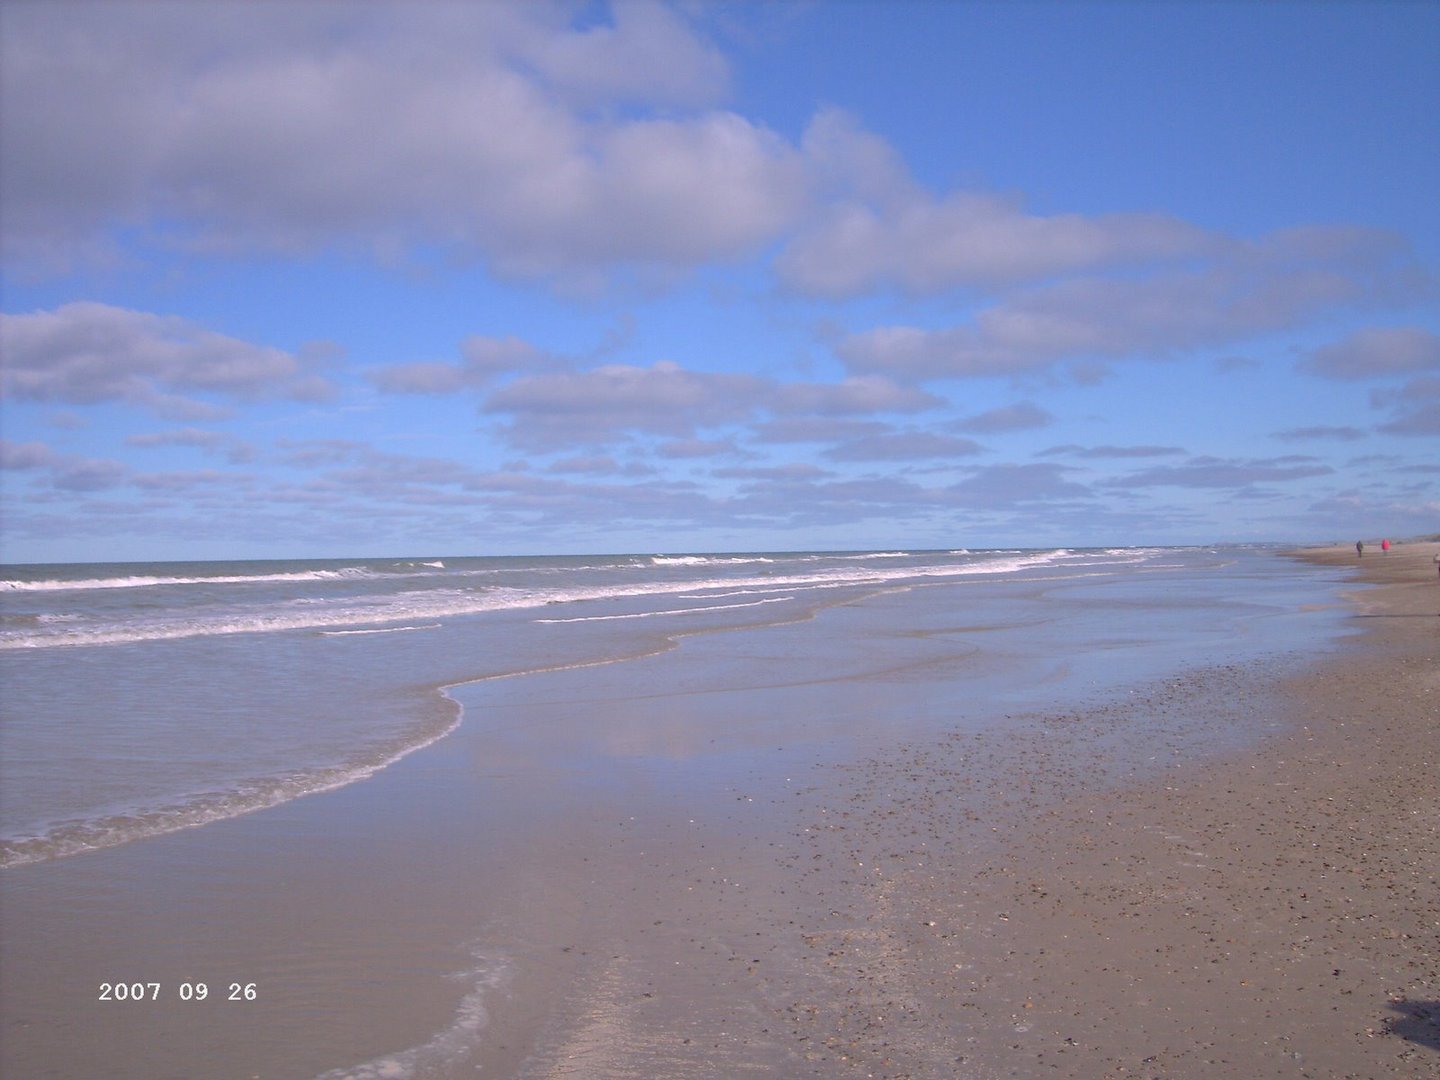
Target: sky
(343,279)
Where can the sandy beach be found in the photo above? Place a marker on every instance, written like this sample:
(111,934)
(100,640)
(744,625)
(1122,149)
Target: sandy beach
(1062,903)
(836,846)
(1271,914)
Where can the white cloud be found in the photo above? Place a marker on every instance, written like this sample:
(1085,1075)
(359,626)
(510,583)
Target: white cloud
(236,450)
(83,353)
(90,474)
(796,471)
(648,55)
(484,359)
(555,409)
(1376,352)
(505,132)
(1272,285)
(1004,486)
(483,129)
(971,239)
(1234,473)
(802,496)
(862,394)
(698,448)
(1421,420)
(1022,415)
(1415,406)
(1322,432)
(904,446)
(563,409)
(597,464)
(849,162)
(195,437)
(422,377)
(808,429)
(29,455)
(66,472)
(878,229)
(194,482)
(1072,450)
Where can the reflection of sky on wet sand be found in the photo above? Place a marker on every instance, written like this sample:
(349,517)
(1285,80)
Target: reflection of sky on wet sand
(884,667)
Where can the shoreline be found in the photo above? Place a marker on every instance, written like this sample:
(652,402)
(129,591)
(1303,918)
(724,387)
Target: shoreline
(1270,913)
(816,849)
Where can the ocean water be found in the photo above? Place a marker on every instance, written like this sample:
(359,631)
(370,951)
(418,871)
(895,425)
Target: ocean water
(144,698)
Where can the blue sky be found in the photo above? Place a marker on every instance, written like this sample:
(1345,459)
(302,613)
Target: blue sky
(334,279)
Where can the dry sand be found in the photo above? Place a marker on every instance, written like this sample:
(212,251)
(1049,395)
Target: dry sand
(1274,913)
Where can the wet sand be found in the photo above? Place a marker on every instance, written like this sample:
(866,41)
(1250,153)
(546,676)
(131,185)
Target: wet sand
(1274,913)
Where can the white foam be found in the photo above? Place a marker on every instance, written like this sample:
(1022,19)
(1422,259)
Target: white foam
(140,581)
(379,630)
(448,1048)
(668,611)
(426,605)
(74,837)
(707,560)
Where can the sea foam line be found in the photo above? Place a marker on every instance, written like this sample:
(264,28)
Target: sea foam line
(449,603)
(448,1047)
(707,560)
(379,630)
(668,611)
(141,581)
(75,837)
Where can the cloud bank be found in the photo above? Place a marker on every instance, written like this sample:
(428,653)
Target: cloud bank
(85,353)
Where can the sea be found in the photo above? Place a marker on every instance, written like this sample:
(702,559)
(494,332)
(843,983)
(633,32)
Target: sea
(144,698)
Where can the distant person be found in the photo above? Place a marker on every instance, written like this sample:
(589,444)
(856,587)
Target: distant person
(1359,549)
(1437,562)
(1385,547)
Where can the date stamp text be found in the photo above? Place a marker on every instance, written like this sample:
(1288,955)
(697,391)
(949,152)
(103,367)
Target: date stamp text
(185,991)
